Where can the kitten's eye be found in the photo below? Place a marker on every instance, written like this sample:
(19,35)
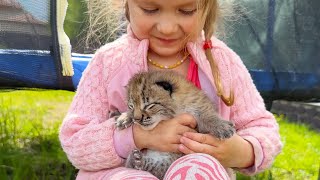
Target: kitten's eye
(150,106)
(130,106)
(149,11)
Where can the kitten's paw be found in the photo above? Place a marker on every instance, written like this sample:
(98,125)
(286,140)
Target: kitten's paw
(135,160)
(123,121)
(224,130)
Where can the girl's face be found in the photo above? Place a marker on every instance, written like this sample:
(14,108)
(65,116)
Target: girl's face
(168,24)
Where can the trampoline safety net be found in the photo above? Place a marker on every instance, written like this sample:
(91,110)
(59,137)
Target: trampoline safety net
(27,41)
(279,42)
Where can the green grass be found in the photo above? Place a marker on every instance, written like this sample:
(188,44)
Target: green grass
(301,154)
(300,157)
(29,145)
(30,149)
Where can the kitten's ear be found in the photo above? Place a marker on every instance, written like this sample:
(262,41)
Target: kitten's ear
(166,86)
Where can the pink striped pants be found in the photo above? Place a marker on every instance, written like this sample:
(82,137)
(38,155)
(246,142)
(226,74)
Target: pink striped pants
(189,167)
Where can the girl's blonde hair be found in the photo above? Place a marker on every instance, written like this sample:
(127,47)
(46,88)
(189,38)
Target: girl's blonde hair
(103,23)
(211,13)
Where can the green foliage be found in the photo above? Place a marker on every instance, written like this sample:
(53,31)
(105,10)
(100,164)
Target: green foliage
(75,19)
(30,149)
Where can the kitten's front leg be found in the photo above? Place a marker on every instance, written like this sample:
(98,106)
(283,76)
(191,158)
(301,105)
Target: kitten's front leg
(123,121)
(223,129)
(217,127)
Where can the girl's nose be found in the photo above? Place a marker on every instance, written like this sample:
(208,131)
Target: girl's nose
(167,26)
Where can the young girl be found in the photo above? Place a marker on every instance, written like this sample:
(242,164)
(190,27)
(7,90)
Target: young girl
(176,35)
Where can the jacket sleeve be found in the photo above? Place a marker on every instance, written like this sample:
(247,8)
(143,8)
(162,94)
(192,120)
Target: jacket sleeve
(253,122)
(86,134)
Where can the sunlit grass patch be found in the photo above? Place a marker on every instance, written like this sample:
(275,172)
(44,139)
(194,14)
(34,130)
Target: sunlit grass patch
(29,145)
(300,156)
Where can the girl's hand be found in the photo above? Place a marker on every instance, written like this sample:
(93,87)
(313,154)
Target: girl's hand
(166,135)
(232,152)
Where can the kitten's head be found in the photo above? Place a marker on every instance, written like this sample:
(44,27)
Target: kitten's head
(150,98)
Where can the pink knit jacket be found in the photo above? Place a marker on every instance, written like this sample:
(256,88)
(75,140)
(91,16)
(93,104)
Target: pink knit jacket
(88,135)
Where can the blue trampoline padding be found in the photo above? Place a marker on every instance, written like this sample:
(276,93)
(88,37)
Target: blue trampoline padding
(264,80)
(31,67)
(287,81)
(79,63)
(37,69)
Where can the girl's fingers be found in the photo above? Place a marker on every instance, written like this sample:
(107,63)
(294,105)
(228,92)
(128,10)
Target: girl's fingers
(174,148)
(176,140)
(202,138)
(195,146)
(183,129)
(185,150)
(187,120)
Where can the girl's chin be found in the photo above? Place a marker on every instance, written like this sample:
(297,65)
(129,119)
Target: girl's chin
(165,51)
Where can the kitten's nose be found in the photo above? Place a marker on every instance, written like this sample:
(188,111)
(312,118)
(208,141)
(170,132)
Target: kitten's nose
(137,117)
(136,120)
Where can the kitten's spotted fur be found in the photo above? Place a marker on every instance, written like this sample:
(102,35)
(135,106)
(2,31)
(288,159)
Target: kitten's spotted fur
(157,95)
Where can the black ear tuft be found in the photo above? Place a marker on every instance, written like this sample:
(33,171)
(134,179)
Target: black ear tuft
(166,86)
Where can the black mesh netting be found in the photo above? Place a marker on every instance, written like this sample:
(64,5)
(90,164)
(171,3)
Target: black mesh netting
(25,25)
(279,41)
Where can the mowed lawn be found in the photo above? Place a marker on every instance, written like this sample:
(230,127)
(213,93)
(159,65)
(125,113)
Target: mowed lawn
(30,149)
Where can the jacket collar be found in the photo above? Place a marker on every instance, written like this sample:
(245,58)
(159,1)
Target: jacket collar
(194,48)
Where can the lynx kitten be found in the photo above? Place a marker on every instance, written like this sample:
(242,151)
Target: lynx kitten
(157,95)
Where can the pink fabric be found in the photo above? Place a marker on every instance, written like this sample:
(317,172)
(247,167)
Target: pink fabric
(120,173)
(127,143)
(89,137)
(197,166)
(193,75)
(193,166)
